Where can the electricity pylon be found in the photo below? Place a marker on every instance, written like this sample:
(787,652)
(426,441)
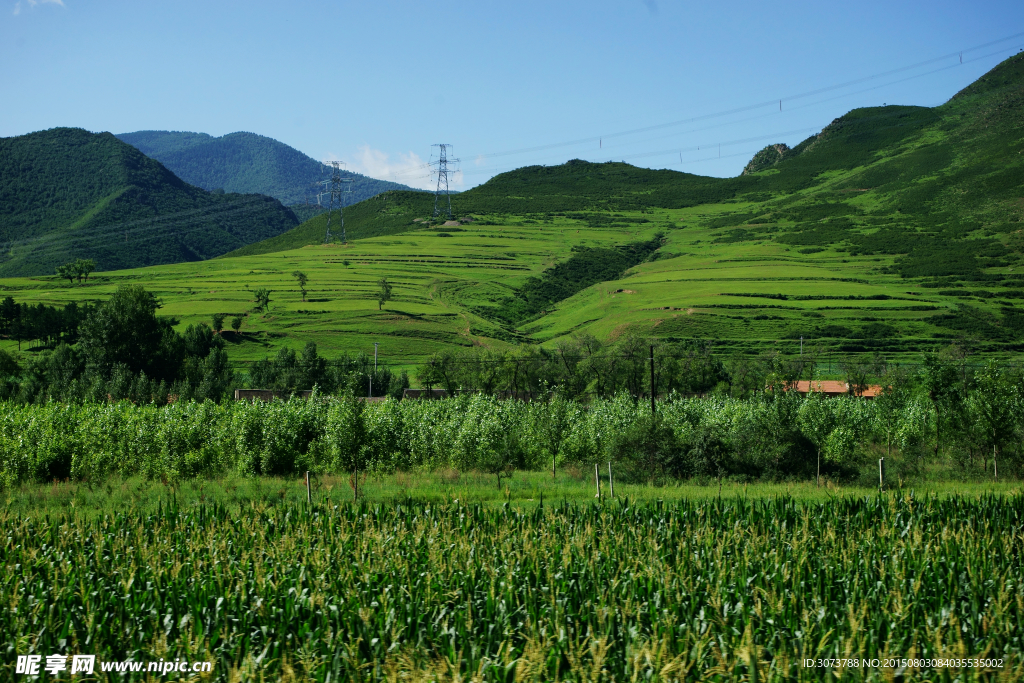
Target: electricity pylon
(443,171)
(335,187)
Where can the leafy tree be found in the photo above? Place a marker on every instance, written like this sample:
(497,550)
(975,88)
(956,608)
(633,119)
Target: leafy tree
(385,292)
(553,425)
(218,322)
(710,454)
(67,271)
(817,422)
(205,378)
(892,403)
(8,365)
(10,311)
(940,381)
(236,323)
(9,375)
(262,299)
(992,406)
(83,267)
(125,330)
(501,448)
(302,279)
(312,368)
(856,377)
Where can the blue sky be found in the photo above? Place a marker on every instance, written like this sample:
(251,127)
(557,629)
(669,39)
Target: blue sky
(509,84)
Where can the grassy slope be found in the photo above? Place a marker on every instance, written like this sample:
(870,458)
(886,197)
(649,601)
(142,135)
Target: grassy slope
(895,229)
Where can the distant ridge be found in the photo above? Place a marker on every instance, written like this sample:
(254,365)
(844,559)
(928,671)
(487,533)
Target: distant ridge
(244,162)
(66,193)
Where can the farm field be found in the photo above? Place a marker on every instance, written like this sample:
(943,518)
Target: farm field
(728,292)
(710,589)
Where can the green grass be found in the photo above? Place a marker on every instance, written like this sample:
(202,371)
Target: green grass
(525,490)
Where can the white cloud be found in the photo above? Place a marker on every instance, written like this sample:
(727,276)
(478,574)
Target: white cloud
(408,169)
(32,3)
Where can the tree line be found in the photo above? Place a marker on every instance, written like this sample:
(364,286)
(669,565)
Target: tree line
(122,350)
(119,349)
(777,435)
(47,325)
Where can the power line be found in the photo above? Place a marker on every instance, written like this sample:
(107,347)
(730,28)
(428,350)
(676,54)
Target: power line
(412,173)
(765,103)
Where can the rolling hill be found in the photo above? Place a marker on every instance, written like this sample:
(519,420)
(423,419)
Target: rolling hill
(894,230)
(246,163)
(67,193)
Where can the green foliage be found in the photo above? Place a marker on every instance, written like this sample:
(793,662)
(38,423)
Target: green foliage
(123,351)
(302,279)
(66,271)
(383,293)
(587,266)
(770,435)
(262,299)
(126,330)
(289,372)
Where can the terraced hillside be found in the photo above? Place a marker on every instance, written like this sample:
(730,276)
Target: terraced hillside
(896,229)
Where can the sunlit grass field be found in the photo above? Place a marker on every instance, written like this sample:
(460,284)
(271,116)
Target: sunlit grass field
(524,490)
(442,286)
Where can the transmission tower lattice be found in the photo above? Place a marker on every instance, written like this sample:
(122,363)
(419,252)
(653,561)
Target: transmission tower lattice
(443,171)
(335,188)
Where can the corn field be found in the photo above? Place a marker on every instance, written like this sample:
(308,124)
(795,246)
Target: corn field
(720,590)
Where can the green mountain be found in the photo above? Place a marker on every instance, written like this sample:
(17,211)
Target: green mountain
(245,162)
(66,193)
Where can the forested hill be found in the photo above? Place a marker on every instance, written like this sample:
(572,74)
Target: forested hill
(244,162)
(66,194)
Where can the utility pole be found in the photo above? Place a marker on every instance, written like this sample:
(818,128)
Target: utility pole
(335,188)
(374,368)
(653,392)
(443,172)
